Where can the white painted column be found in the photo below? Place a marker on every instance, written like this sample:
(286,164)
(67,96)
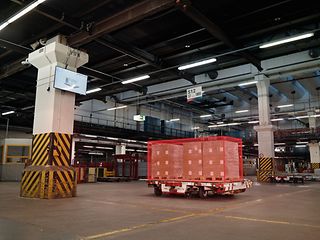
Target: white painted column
(265,129)
(314,149)
(120,149)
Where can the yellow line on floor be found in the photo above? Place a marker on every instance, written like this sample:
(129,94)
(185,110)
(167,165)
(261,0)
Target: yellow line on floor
(178,218)
(107,234)
(271,221)
(123,230)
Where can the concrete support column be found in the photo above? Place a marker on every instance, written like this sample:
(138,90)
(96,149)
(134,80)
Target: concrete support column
(120,149)
(265,129)
(312,121)
(50,175)
(314,149)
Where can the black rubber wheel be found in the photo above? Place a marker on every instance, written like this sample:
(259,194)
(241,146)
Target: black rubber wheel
(202,193)
(157,191)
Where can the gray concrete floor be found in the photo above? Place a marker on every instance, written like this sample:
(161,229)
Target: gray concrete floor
(130,211)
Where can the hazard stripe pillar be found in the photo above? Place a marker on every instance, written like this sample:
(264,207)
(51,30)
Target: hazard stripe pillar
(265,169)
(50,175)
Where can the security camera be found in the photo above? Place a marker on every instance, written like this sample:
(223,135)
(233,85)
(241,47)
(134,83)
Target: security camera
(25,62)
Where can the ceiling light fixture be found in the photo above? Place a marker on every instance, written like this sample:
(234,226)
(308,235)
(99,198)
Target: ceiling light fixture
(247,83)
(112,138)
(242,111)
(286,40)
(279,144)
(253,122)
(7,113)
(196,64)
(301,142)
(174,120)
(142,151)
(115,108)
(276,119)
(195,128)
(299,117)
(21,13)
(93,90)
(136,79)
(96,153)
(108,148)
(130,150)
(223,125)
(87,146)
(300,146)
(205,116)
(284,106)
(89,136)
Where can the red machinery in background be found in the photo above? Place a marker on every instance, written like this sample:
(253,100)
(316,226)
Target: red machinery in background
(126,165)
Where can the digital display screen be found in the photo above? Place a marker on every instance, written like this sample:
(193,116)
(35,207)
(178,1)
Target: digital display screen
(70,81)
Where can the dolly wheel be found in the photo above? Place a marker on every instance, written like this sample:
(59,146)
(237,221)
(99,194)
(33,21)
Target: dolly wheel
(157,191)
(202,193)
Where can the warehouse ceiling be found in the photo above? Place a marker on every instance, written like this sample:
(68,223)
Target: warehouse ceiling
(127,38)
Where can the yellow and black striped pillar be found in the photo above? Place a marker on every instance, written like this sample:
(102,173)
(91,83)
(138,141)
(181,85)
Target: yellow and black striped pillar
(315,165)
(49,175)
(265,169)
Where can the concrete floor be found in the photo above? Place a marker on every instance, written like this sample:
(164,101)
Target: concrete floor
(130,211)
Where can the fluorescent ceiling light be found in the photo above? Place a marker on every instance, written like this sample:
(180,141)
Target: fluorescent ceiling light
(196,64)
(195,128)
(300,146)
(86,146)
(112,138)
(276,119)
(247,83)
(129,140)
(136,79)
(89,136)
(7,113)
(286,40)
(279,144)
(219,122)
(253,122)
(26,108)
(115,108)
(142,151)
(223,125)
(299,117)
(96,153)
(130,150)
(301,142)
(256,145)
(93,90)
(21,13)
(317,115)
(284,106)
(174,120)
(205,116)
(104,148)
(242,111)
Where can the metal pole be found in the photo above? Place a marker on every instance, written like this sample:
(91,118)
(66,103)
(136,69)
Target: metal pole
(7,128)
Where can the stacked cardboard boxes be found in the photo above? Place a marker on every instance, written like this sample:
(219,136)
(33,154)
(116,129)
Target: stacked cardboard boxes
(192,160)
(166,161)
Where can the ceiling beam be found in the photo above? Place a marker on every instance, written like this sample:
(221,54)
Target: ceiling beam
(124,18)
(215,30)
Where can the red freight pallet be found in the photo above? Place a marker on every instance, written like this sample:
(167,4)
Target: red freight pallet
(196,164)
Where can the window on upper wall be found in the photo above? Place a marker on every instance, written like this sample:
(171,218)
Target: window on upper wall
(17,154)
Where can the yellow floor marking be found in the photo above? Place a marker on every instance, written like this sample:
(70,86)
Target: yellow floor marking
(178,218)
(272,221)
(106,234)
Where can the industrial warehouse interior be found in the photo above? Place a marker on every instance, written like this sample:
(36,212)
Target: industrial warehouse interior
(163,119)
